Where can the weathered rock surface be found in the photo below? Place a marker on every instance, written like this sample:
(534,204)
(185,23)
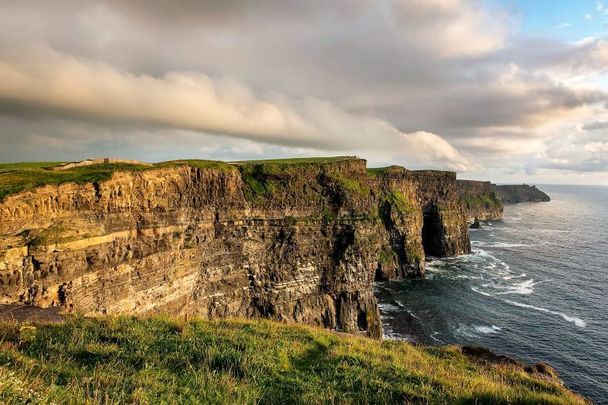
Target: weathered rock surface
(480,200)
(301,243)
(519,193)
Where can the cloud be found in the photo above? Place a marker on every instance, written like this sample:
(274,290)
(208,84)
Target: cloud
(596,126)
(579,151)
(378,79)
(43,81)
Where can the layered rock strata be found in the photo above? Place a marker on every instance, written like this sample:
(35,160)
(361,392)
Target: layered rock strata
(294,242)
(480,200)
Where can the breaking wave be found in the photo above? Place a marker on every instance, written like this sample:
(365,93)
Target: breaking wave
(576,320)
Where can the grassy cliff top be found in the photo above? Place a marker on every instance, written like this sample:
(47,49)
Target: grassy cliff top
(156,360)
(297,161)
(17,177)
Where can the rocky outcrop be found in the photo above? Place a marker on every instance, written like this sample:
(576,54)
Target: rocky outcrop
(519,193)
(480,200)
(423,216)
(294,242)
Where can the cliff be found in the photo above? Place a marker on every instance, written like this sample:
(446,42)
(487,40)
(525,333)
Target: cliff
(296,240)
(480,199)
(519,193)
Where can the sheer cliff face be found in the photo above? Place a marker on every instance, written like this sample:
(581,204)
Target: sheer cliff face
(480,200)
(299,243)
(519,193)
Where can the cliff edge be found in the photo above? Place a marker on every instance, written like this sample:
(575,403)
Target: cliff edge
(519,193)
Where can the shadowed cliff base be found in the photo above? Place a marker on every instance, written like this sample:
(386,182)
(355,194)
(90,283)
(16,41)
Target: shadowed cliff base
(158,360)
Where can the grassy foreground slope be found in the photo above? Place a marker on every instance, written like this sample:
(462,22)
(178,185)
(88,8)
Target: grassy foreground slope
(157,360)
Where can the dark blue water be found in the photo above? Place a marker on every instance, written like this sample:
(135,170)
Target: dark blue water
(534,288)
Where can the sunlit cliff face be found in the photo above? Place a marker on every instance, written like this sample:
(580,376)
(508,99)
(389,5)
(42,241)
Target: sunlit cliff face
(473,86)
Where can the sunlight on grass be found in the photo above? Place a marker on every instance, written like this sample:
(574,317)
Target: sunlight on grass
(159,360)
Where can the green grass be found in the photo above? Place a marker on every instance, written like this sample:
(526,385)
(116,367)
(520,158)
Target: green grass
(350,184)
(201,164)
(296,161)
(18,177)
(386,256)
(156,360)
(261,175)
(377,171)
(10,167)
(15,180)
(399,201)
(483,201)
(261,180)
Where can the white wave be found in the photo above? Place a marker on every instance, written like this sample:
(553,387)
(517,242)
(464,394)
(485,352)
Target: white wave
(510,277)
(576,320)
(503,245)
(467,277)
(523,288)
(481,292)
(487,329)
(476,330)
(506,245)
(388,308)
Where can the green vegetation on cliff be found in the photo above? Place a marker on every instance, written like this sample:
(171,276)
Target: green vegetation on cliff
(519,193)
(297,161)
(15,178)
(483,201)
(156,360)
(399,201)
(18,177)
(262,176)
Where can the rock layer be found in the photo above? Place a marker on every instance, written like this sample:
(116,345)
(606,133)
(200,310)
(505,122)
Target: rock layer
(293,242)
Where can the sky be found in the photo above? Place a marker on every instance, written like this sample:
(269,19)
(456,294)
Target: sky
(503,90)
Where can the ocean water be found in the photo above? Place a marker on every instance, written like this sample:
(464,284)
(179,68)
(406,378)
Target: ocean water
(535,288)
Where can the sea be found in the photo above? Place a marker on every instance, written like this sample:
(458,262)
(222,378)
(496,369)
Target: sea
(535,288)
